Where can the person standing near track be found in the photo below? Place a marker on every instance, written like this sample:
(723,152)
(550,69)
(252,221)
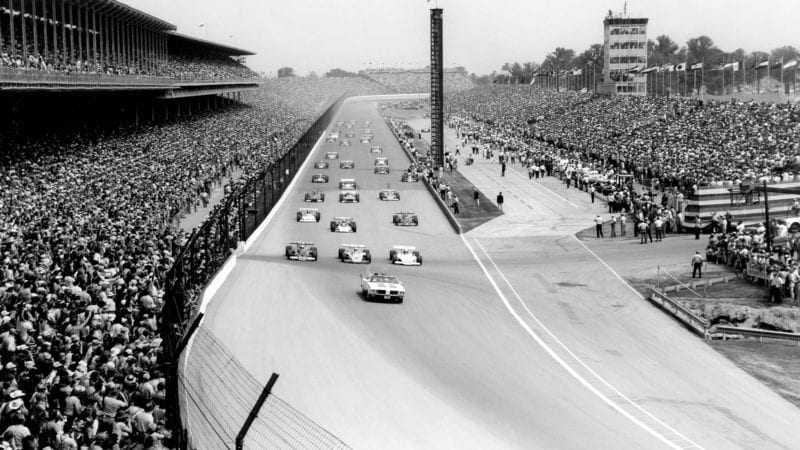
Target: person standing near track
(455,204)
(613,226)
(500,201)
(623,219)
(477,197)
(697,228)
(598,226)
(591,193)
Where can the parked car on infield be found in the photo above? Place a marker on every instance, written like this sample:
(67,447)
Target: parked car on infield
(406,219)
(405,255)
(382,170)
(344,143)
(315,196)
(409,177)
(381,161)
(301,251)
(331,155)
(347,165)
(354,254)
(348,184)
(343,225)
(376,149)
(319,178)
(308,215)
(349,197)
(382,286)
(389,195)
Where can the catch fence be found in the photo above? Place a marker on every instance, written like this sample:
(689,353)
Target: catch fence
(208,248)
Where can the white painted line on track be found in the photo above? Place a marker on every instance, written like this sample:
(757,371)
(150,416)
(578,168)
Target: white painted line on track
(536,183)
(645,413)
(560,361)
(639,294)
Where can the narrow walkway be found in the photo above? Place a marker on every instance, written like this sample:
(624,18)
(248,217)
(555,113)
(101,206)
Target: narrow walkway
(190,221)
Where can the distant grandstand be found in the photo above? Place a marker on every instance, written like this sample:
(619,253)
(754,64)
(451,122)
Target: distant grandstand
(411,81)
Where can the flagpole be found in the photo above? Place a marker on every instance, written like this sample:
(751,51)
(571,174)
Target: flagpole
(694,82)
(685,83)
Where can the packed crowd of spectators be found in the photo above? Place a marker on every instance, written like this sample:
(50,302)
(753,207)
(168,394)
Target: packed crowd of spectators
(418,81)
(87,236)
(678,141)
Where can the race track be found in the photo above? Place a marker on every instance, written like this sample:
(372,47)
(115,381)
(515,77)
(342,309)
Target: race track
(468,361)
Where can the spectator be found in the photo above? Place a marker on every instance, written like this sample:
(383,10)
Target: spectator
(500,201)
(697,265)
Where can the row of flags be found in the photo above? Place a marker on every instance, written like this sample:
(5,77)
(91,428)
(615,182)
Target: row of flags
(736,66)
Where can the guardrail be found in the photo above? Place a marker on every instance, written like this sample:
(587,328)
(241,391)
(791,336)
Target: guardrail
(728,332)
(694,322)
(442,205)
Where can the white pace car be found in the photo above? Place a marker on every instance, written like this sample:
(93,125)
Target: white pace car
(405,255)
(383,287)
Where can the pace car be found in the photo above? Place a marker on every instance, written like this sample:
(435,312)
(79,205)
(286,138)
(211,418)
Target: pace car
(348,184)
(331,155)
(381,161)
(347,165)
(308,215)
(382,170)
(301,251)
(382,286)
(405,218)
(389,195)
(344,143)
(343,225)
(405,255)
(355,254)
(349,197)
(321,165)
(315,196)
(376,149)
(409,177)
(319,178)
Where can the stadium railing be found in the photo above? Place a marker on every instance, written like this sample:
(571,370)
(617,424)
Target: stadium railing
(223,405)
(22,77)
(695,323)
(213,243)
(735,332)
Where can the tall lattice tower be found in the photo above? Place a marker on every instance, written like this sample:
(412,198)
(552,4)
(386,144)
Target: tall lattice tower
(437,88)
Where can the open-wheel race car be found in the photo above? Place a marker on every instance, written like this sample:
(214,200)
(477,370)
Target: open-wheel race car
(405,255)
(315,196)
(382,286)
(347,165)
(405,218)
(344,143)
(319,178)
(340,123)
(308,215)
(382,170)
(331,155)
(389,195)
(330,140)
(343,225)
(376,149)
(350,135)
(366,139)
(349,197)
(321,165)
(381,161)
(301,251)
(348,184)
(355,254)
(409,177)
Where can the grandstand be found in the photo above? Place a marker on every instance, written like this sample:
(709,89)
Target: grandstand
(402,81)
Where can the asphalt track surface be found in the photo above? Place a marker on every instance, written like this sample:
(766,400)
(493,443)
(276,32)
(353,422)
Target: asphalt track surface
(511,337)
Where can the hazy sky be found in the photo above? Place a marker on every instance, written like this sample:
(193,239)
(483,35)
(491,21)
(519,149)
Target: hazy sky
(480,35)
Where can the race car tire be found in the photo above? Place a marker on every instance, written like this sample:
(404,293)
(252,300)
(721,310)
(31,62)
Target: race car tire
(353,226)
(358,198)
(318,216)
(419,259)
(333,226)
(322,197)
(341,198)
(313,253)
(307,199)
(415,220)
(392,255)
(299,216)
(341,254)
(395,220)
(288,250)
(381,197)
(368,259)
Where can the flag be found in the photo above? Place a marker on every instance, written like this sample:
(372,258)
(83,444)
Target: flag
(733,65)
(719,66)
(670,68)
(635,69)
(778,64)
(202,25)
(790,64)
(697,66)
(762,64)
(577,72)
(681,67)
(649,69)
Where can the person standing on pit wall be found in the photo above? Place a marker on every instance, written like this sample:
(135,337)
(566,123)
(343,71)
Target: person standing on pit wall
(775,287)
(477,197)
(455,204)
(613,226)
(697,265)
(623,219)
(598,226)
(500,201)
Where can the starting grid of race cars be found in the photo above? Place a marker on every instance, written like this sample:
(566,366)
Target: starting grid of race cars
(380,286)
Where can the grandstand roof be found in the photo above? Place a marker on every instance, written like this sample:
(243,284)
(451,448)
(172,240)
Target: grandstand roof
(185,40)
(124,12)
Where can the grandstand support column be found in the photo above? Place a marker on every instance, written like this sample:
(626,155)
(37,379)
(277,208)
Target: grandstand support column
(437,88)
(11,28)
(71,35)
(35,23)
(80,33)
(63,36)
(24,32)
(44,29)
(86,33)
